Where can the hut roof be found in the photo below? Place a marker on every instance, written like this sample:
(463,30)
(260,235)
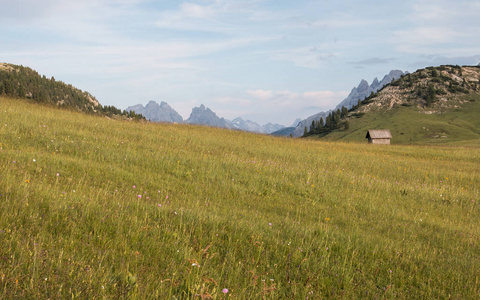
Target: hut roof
(379,134)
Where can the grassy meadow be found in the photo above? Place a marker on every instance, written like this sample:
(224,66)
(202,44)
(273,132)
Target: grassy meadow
(409,125)
(95,208)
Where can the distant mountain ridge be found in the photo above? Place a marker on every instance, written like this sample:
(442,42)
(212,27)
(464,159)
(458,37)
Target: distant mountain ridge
(201,116)
(362,91)
(157,113)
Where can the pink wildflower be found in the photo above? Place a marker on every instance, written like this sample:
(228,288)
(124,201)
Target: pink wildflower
(225,291)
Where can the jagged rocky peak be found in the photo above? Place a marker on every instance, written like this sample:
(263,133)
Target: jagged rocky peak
(205,116)
(363,87)
(374,84)
(157,113)
(392,75)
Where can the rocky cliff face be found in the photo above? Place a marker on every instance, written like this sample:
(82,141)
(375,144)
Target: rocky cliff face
(157,113)
(360,92)
(363,90)
(205,116)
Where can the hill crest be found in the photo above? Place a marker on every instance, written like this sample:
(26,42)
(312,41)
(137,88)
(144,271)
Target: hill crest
(24,82)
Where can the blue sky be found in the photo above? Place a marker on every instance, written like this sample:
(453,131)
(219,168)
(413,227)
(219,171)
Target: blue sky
(263,60)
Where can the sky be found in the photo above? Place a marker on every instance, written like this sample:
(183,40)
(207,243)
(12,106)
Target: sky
(262,60)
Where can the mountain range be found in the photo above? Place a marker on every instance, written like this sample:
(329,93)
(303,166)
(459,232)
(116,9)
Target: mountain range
(362,91)
(434,105)
(201,116)
(205,116)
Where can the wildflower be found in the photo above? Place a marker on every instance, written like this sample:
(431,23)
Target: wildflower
(269,224)
(225,291)
(139,196)
(27,181)
(34,160)
(159,205)
(327,219)
(134,186)
(58,174)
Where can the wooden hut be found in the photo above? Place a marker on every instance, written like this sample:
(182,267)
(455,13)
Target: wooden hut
(380,136)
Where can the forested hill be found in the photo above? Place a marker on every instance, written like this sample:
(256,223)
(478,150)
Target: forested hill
(23,82)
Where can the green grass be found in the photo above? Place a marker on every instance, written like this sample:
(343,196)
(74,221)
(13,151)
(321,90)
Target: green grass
(409,126)
(263,217)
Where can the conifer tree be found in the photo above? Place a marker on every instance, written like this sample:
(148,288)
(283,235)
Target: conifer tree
(344,112)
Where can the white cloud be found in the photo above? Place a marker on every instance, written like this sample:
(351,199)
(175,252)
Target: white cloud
(197,11)
(439,27)
(232,101)
(303,57)
(261,94)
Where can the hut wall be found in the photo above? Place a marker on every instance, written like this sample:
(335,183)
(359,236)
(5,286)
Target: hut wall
(379,141)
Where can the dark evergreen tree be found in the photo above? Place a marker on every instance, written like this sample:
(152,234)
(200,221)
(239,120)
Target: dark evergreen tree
(344,112)
(430,98)
(9,88)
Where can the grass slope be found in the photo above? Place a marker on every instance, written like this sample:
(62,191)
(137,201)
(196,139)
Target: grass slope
(93,208)
(409,125)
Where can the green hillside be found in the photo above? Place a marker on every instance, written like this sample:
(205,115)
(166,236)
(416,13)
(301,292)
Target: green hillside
(438,105)
(93,207)
(25,83)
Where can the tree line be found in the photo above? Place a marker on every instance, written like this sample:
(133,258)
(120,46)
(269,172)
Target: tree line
(334,120)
